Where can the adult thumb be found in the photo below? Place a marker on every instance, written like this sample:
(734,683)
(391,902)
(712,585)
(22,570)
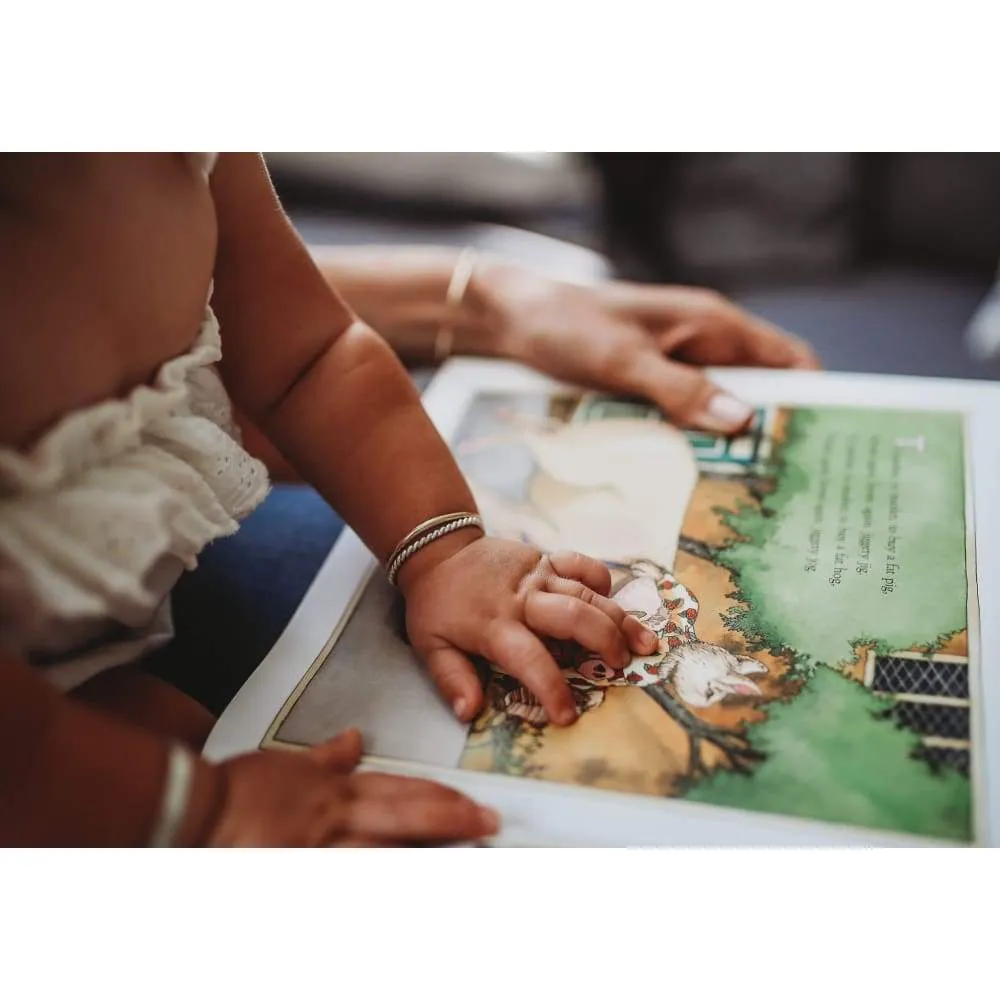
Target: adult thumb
(685,394)
(342,753)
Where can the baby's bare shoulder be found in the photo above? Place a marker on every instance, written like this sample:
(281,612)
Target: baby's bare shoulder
(105,265)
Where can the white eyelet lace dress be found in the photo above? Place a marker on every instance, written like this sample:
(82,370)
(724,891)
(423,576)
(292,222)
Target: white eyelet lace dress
(102,515)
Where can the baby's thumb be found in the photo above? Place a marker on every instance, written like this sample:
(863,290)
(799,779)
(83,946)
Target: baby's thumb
(456,679)
(342,753)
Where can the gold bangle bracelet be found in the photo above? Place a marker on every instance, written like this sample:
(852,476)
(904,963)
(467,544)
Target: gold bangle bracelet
(457,287)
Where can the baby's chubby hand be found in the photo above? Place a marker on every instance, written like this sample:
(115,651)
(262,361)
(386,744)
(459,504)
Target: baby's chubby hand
(499,600)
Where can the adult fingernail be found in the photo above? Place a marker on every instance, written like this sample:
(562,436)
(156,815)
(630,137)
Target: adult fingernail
(727,411)
(490,819)
(649,637)
(461,706)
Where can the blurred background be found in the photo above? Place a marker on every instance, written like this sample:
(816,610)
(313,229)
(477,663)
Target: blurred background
(885,262)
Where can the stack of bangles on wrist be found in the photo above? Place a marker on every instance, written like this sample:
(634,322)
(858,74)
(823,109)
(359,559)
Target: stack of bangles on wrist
(425,533)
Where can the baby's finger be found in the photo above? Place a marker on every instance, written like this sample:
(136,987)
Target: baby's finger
(342,753)
(519,653)
(426,817)
(641,640)
(456,679)
(560,617)
(590,572)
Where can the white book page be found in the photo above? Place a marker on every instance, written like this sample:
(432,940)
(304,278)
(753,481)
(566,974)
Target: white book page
(373,685)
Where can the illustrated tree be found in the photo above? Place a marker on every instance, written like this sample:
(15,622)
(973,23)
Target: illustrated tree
(735,745)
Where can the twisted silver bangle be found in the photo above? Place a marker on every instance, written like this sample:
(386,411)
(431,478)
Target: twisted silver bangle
(455,523)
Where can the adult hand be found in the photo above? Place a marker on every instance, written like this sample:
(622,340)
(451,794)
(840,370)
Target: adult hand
(315,798)
(642,340)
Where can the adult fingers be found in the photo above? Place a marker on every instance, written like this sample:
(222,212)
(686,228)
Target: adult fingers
(342,753)
(766,346)
(425,817)
(705,328)
(376,784)
(683,393)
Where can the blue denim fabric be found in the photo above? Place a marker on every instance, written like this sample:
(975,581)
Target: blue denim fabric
(231,609)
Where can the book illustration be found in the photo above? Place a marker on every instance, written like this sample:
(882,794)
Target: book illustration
(684,672)
(701,673)
(807,580)
(809,585)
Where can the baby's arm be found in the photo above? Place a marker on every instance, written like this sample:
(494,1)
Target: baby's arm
(336,402)
(402,293)
(325,389)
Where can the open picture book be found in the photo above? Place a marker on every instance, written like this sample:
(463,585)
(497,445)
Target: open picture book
(821,586)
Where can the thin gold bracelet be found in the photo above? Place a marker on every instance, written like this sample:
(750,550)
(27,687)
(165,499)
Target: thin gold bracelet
(457,287)
(425,533)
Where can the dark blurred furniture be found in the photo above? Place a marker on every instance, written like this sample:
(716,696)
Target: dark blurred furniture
(879,260)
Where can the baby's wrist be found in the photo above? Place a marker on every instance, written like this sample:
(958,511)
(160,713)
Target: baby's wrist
(433,555)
